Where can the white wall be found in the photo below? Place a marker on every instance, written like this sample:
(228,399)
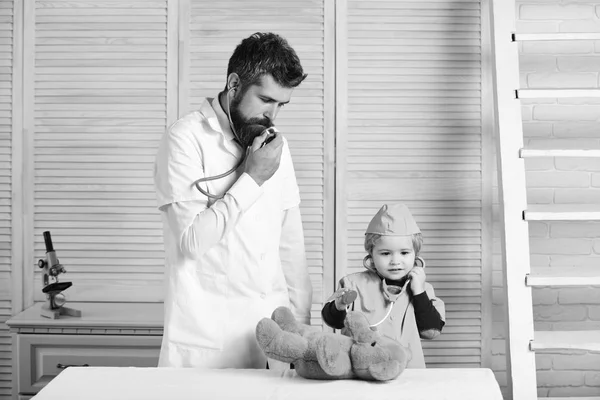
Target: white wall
(571,124)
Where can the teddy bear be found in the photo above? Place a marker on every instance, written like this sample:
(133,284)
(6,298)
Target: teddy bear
(322,355)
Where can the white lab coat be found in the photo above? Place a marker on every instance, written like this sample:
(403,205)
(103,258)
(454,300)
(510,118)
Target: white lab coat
(226,267)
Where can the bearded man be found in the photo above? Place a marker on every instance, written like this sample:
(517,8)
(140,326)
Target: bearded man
(229,203)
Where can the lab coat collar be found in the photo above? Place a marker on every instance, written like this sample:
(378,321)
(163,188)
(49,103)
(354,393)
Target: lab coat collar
(392,292)
(401,282)
(218,121)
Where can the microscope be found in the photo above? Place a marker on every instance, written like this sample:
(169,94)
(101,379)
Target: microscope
(55,300)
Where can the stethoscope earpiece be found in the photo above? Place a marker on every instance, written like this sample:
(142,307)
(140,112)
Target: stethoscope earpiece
(419,260)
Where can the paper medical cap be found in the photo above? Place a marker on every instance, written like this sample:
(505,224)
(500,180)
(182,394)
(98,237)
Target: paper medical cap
(393,219)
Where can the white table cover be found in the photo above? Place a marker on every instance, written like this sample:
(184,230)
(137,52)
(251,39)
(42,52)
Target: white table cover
(108,383)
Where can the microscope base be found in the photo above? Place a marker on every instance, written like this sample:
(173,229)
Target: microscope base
(55,313)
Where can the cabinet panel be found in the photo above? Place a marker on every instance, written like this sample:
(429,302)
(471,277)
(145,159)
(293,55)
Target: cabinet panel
(45,356)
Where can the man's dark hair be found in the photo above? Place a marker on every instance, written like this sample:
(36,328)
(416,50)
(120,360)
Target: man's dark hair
(266,53)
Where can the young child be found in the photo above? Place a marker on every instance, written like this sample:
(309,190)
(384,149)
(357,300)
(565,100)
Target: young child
(392,292)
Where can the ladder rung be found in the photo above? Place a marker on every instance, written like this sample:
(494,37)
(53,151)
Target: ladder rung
(562,212)
(571,276)
(569,398)
(557,36)
(571,340)
(529,153)
(556,93)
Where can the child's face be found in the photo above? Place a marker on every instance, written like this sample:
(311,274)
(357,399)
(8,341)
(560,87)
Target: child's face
(394,256)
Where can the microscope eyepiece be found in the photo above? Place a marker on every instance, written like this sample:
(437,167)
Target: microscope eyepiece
(48,242)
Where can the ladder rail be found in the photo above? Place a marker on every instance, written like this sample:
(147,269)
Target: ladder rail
(521,367)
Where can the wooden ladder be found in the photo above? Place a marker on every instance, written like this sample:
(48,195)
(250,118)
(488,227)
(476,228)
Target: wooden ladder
(519,277)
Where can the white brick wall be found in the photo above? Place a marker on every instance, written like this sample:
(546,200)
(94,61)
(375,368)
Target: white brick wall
(534,11)
(548,123)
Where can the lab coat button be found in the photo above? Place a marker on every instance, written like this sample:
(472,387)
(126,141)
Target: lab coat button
(262,257)
(391,317)
(263,295)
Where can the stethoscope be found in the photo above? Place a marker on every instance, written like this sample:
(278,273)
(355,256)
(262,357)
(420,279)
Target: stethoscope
(223,175)
(392,293)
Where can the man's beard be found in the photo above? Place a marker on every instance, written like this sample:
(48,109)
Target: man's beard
(246,129)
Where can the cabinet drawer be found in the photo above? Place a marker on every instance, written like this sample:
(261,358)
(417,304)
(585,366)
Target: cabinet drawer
(42,357)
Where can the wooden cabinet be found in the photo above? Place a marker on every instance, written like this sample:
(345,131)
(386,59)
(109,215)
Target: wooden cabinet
(107,334)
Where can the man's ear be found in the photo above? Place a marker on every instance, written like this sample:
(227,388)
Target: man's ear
(233,81)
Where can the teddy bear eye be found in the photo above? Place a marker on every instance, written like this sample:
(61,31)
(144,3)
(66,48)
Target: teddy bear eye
(373,344)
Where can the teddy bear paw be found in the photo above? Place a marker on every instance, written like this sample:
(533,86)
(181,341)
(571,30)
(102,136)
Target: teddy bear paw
(278,344)
(332,357)
(386,371)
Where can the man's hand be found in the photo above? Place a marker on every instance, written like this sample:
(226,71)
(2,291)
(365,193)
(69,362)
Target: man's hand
(417,280)
(262,163)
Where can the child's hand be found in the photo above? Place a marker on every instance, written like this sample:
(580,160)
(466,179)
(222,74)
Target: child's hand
(344,298)
(417,280)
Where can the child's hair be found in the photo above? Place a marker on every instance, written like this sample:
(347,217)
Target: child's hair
(372,238)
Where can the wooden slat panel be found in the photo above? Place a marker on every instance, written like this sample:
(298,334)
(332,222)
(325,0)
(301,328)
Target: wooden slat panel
(215,29)
(101,287)
(11,275)
(412,71)
(7,124)
(100,107)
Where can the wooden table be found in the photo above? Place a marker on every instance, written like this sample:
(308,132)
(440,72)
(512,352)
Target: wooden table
(98,383)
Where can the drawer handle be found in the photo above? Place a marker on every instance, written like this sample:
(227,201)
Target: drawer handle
(62,366)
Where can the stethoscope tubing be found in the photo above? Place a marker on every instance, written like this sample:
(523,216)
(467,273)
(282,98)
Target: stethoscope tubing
(392,302)
(224,174)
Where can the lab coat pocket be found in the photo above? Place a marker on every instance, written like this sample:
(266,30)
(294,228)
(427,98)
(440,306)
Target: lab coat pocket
(201,320)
